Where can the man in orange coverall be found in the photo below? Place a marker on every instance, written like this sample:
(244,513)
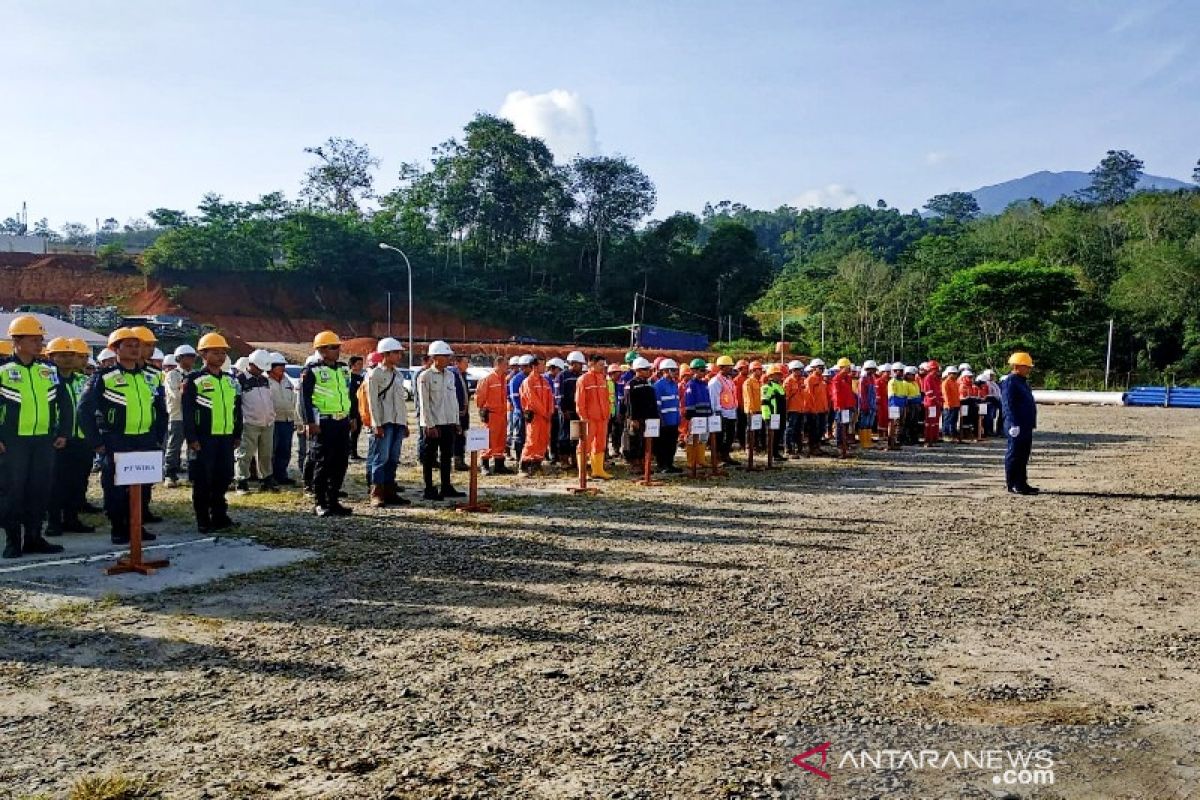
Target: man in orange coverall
(537,404)
(592,405)
(491,398)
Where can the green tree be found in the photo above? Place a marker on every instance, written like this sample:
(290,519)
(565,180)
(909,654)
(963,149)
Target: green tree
(42,228)
(955,206)
(343,177)
(1115,178)
(612,195)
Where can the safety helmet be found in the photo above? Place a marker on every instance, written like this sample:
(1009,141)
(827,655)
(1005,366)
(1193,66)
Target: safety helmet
(169,361)
(59,344)
(934,365)
(829,373)
(924,365)
(816,362)
(641,363)
(668,363)
(557,363)
(968,373)
(755,365)
(228,365)
(615,367)
(209,341)
(184,350)
(898,367)
(80,347)
(844,362)
(278,360)
(524,361)
(795,364)
(698,363)
(910,370)
(120,335)
(25,325)
(440,348)
(657,363)
(870,364)
(963,366)
(375,358)
(743,364)
(144,334)
(311,360)
(242,364)
(157,355)
(92,362)
(630,356)
(388,345)
(950,370)
(105,355)
(685,371)
(576,357)
(326,339)
(724,361)
(261,359)
(1021,359)
(775,369)
(514,361)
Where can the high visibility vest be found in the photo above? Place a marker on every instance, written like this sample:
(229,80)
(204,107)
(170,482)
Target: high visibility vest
(728,394)
(131,391)
(331,390)
(217,394)
(74,386)
(32,388)
(612,398)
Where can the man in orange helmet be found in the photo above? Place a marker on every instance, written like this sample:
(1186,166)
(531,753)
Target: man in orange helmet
(741,374)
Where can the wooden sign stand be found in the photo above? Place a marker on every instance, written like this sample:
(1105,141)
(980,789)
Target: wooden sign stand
(646,479)
(583,487)
(473,506)
(715,465)
(133,562)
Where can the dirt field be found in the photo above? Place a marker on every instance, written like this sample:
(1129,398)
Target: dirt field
(686,641)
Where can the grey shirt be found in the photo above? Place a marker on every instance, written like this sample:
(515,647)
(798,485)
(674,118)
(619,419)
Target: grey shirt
(436,397)
(390,409)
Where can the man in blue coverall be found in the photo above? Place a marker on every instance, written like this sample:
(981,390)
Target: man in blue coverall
(1020,415)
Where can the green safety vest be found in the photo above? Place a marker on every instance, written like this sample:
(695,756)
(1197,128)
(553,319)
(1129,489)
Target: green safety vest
(612,398)
(154,376)
(773,395)
(131,391)
(75,385)
(216,393)
(331,390)
(33,388)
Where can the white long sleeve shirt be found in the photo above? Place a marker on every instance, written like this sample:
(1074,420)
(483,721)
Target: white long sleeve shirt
(437,398)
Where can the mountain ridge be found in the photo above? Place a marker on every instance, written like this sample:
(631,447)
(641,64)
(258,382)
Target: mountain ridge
(1049,187)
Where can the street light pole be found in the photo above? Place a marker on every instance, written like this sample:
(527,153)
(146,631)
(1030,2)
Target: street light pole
(385,246)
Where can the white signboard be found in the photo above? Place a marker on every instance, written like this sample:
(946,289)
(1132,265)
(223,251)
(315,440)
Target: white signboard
(756,422)
(138,467)
(477,439)
(714,424)
(933,412)
(775,422)
(845,415)
(893,412)
(652,428)
(699,426)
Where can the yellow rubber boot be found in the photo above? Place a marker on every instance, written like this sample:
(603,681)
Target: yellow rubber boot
(598,467)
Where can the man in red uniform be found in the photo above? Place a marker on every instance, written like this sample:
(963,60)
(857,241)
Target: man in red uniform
(537,404)
(491,398)
(594,409)
(842,395)
(931,386)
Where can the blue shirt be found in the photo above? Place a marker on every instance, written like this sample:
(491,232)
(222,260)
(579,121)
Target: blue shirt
(667,391)
(1016,397)
(696,398)
(514,390)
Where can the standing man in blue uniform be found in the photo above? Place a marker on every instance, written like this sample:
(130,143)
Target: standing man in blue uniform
(516,415)
(212,427)
(1020,415)
(325,403)
(666,390)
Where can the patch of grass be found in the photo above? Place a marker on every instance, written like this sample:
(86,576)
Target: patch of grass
(115,786)
(65,614)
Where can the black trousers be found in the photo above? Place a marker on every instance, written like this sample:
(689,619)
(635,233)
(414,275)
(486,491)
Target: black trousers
(1016,460)
(116,498)
(726,438)
(329,456)
(438,452)
(460,439)
(665,445)
(26,470)
(210,470)
(72,466)
(743,423)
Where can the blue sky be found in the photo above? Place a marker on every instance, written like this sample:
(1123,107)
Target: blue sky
(134,105)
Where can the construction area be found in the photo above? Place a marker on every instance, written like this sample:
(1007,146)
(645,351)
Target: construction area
(783,634)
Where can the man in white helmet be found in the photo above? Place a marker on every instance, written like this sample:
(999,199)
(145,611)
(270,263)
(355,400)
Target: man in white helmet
(640,404)
(283,397)
(438,419)
(568,448)
(258,424)
(185,358)
(388,413)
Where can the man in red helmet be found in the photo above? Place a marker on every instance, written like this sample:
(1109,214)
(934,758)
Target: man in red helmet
(931,387)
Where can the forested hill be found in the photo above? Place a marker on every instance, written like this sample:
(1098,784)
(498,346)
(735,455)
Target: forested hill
(1050,187)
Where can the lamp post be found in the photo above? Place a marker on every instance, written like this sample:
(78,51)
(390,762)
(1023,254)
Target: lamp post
(385,246)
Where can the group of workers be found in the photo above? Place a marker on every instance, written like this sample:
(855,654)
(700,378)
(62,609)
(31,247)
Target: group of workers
(63,413)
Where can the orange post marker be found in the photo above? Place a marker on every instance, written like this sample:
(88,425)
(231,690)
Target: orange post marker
(473,505)
(770,448)
(583,487)
(133,562)
(715,466)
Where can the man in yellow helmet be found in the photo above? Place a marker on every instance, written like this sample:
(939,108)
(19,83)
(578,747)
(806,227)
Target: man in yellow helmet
(35,419)
(73,463)
(722,393)
(212,426)
(325,405)
(120,411)
(1020,417)
(154,379)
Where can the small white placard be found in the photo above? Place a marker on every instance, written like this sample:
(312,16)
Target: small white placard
(845,415)
(775,422)
(933,412)
(477,439)
(714,424)
(575,429)
(756,422)
(139,467)
(652,426)
(893,412)
(699,426)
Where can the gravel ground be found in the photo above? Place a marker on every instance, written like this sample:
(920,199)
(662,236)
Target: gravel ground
(680,641)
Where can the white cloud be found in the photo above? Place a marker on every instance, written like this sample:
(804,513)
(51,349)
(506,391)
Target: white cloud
(558,117)
(832,196)
(936,157)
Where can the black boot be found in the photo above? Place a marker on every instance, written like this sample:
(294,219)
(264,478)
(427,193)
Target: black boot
(34,543)
(119,533)
(500,469)
(12,544)
(76,525)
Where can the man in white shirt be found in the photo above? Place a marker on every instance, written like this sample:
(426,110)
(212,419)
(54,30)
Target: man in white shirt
(438,417)
(389,424)
(185,360)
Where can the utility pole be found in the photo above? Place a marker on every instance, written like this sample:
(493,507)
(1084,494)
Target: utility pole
(1108,357)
